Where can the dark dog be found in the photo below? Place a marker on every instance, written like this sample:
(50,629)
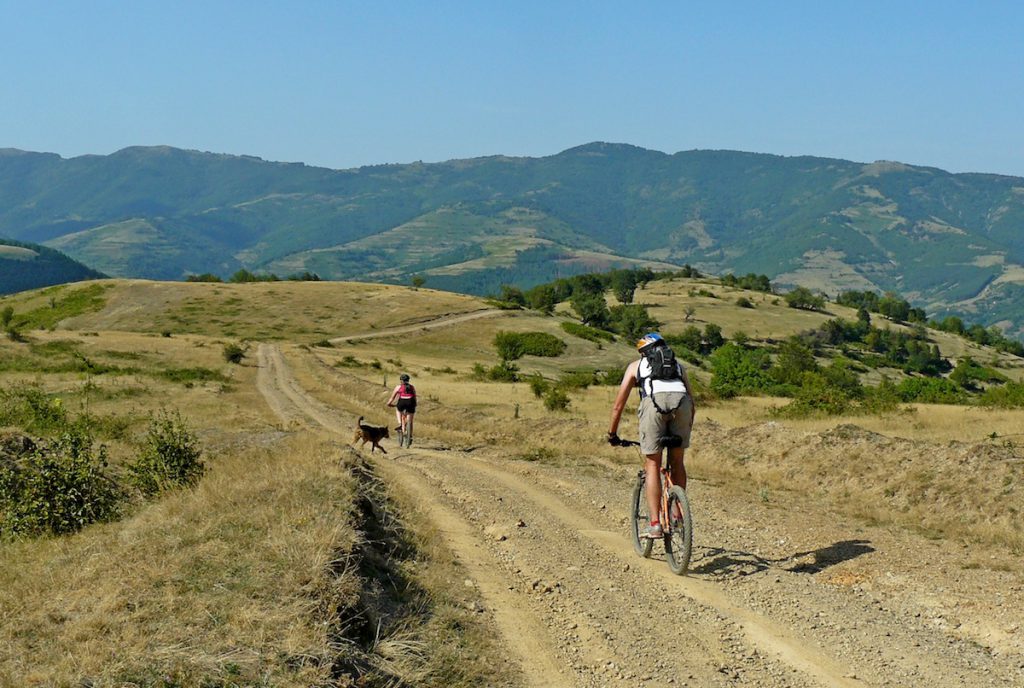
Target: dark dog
(370,433)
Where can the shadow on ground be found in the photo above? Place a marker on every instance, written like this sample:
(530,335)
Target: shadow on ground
(719,563)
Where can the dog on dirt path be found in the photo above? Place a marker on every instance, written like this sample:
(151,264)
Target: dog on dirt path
(370,433)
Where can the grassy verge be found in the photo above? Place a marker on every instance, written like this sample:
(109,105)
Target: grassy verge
(286,566)
(221,585)
(410,626)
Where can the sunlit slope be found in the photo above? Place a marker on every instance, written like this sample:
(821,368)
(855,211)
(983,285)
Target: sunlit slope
(266,310)
(770,318)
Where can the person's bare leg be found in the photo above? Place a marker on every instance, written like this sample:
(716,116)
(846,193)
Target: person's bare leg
(675,457)
(408,424)
(652,469)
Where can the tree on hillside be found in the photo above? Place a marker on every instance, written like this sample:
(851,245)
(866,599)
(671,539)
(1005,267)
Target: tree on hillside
(632,321)
(542,298)
(794,359)
(623,284)
(204,277)
(592,309)
(805,299)
(512,295)
(417,281)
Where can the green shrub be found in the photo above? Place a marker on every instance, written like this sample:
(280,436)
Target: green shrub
(931,390)
(27,406)
(794,358)
(170,457)
(882,399)
(505,371)
(591,334)
(816,396)
(555,399)
(538,385)
(578,379)
(1010,395)
(967,372)
(613,376)
(514,345)
(234,353)
(190,376)
(736,370)
(58,488)
(744,302)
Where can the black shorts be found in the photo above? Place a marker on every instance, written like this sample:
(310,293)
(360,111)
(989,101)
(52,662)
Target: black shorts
(406,405)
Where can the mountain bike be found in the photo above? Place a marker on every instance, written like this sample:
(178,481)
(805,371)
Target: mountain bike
(678,528)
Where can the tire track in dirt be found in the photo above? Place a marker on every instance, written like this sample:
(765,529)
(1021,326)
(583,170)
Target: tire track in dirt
(761,632)
(286,397)
(602,658)
(716,618)
(577,607)
(607,626)
(432,324)
(830,636)
(524,634)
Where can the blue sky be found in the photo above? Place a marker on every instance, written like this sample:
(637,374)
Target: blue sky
(343,84)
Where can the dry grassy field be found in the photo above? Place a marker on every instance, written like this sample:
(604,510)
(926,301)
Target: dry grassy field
(244,578)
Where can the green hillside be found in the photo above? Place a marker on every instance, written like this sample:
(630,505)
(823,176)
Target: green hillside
(26,266)
(951,243)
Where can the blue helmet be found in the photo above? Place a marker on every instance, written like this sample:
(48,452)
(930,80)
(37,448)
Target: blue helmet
(649,341)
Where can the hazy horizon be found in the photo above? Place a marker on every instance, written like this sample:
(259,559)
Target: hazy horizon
(344,84)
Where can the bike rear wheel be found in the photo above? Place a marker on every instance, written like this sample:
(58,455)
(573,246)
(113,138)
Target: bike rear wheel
(679,536)
(640,518)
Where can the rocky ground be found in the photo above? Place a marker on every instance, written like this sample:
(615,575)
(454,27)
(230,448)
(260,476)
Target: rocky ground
(778,594)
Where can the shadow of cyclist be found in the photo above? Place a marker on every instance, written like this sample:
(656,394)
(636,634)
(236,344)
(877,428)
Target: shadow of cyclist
(720,563)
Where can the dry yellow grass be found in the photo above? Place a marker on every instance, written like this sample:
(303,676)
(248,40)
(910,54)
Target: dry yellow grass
(212,584)
(228,581)
(306,311)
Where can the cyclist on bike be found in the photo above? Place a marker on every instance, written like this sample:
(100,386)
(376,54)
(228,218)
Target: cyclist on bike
(403,398)
(666,408)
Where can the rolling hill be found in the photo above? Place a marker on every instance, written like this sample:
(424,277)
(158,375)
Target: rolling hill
(951,243)
(26,266)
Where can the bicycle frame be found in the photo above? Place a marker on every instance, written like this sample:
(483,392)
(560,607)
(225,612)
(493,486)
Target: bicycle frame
(678,531)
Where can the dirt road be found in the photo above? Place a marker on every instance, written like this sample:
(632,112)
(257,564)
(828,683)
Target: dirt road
(776,596)
(428,324)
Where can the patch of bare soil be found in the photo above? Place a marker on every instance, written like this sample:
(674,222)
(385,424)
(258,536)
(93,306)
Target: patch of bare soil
(779,593)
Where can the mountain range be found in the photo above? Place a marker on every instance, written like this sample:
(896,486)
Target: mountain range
(951,243)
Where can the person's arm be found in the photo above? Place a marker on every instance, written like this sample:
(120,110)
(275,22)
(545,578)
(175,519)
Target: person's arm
(625,387)
(394,395)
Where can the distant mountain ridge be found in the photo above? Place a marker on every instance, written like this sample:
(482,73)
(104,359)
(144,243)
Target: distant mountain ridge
(25,266)
(952,243)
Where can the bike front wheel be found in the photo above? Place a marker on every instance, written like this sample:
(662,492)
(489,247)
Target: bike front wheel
(640,517)
(679,536)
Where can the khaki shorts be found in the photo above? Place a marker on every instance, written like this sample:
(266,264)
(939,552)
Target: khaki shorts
(654,425)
